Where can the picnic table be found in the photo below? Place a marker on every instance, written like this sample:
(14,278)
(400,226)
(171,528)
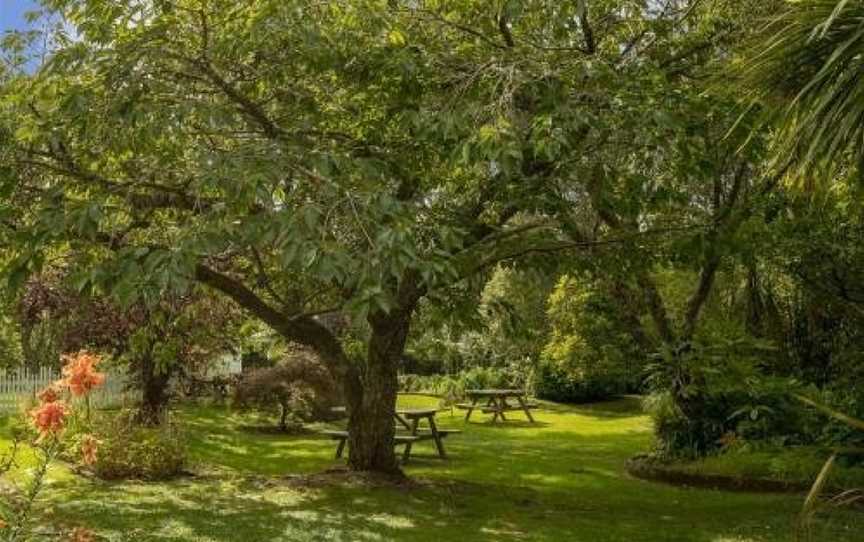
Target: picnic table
(497,403)
(409,421)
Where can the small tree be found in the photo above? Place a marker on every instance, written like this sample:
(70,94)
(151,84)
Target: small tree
(301,388)
(154,340)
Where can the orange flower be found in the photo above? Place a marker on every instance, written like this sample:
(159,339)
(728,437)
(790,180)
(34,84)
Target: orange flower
(49,418)
(80,374)
(729,439)
(3,524)
(80,534)
(89,447)
(49,394)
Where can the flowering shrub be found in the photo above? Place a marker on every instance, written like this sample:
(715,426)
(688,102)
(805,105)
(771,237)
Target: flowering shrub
(80,534)
(112,445)
(79,372)
(50,419)
(127,449)
(88,447)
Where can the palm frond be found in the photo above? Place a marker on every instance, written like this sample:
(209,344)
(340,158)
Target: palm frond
(836,414)
(809,64)
(812,502)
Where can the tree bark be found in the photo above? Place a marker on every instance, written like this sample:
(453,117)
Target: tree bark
(370,425)
(154,392)
(283,416)
(372,405)
(657,309)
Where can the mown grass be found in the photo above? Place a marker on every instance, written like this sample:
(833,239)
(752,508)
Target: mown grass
(561,479)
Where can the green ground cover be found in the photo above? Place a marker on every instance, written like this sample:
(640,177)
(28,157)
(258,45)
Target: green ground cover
(562,479)
(793,465)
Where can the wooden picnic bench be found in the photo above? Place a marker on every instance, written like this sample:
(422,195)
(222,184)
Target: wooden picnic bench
(342,438)
(497,403)
(407,420)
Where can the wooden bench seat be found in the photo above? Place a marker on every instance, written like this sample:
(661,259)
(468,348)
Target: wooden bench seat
(399,439)
(490,409)
(342,437)
(442,432)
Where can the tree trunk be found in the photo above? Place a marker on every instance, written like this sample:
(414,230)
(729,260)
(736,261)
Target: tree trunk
(283,417)
(372,408)
(154,392)
(371,392)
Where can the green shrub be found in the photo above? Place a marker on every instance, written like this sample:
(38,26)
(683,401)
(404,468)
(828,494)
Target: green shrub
(451,388)
(836,433)
(753,417)
(556,383)
(712,395)
(127,450)
(412,383)
(683,436)
(298,390)
(484,378)
(590,354)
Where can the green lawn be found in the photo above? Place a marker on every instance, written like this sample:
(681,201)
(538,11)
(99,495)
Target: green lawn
(562,479)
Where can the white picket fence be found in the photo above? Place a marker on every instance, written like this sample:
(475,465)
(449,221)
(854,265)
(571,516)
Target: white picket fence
(17,388)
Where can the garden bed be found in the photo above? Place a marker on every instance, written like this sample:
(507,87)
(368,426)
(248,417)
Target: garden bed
(647,468)
(774,471)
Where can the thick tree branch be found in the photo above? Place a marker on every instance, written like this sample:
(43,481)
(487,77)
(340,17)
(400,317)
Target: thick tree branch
(713,255)
(504,28)
(653,298)
(302,330)
(585,25)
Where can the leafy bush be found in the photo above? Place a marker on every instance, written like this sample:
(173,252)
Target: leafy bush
(558,383)
(451,388)
(485,378)
(127,450)
(421,366)
(300,389)
(834,432)
(682,435)
(504,329)
(711,395)
(589,355)
(412,383)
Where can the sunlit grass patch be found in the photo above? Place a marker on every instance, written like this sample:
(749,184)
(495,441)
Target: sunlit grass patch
(562,479)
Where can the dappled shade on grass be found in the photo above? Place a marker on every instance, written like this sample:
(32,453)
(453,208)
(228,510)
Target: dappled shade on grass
(563,479)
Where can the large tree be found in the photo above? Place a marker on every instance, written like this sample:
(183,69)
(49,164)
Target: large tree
(305,157)
(295,156)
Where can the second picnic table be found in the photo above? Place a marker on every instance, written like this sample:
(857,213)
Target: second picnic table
(497,403)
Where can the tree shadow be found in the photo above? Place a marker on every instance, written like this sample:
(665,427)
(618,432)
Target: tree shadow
(562,480)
